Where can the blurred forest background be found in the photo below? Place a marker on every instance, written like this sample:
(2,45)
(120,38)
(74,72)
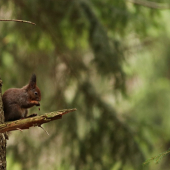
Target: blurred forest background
(110,59)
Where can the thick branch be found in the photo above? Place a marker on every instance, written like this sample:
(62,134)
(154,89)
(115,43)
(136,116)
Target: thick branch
(33,121)
(150,4)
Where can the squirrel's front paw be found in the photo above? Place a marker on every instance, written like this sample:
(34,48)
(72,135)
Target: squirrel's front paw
(35,102)
(38,104)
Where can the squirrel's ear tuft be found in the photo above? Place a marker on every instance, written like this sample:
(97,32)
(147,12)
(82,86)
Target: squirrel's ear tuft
(32,83)
(33,78)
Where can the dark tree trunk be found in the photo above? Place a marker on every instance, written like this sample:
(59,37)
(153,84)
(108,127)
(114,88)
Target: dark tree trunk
(2,135)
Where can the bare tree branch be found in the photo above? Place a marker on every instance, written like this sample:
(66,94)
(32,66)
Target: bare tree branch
(33,121)
(150,4)
(16,20)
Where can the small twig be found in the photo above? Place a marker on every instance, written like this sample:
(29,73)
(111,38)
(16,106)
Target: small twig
(16,20)
(150,4)
(20,129)
(44,130)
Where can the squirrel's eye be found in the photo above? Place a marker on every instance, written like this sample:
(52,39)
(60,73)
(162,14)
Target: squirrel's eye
(35,93)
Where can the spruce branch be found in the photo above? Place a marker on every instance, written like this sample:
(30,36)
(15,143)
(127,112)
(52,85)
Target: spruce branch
(157,158)
(17,20)
(26,123)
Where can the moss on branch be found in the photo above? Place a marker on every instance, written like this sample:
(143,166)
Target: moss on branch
(33,121)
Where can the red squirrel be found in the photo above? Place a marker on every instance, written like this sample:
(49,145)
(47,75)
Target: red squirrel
(16,101)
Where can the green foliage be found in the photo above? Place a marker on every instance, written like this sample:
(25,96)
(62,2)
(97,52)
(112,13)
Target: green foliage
(88,55)
(157,158)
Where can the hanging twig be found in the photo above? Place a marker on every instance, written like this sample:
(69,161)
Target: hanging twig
(16,20)
(44,130)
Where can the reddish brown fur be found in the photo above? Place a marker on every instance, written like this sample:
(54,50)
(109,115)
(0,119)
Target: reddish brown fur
(16,101)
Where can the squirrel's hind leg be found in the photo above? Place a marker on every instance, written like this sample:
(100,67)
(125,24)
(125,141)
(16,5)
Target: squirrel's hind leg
(32,115)
(14,113)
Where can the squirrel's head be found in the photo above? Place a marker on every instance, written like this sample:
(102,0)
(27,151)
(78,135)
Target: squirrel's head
(33,90)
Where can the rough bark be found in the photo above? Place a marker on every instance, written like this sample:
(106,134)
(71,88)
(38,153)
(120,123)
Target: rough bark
(33,121)
(2,135)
